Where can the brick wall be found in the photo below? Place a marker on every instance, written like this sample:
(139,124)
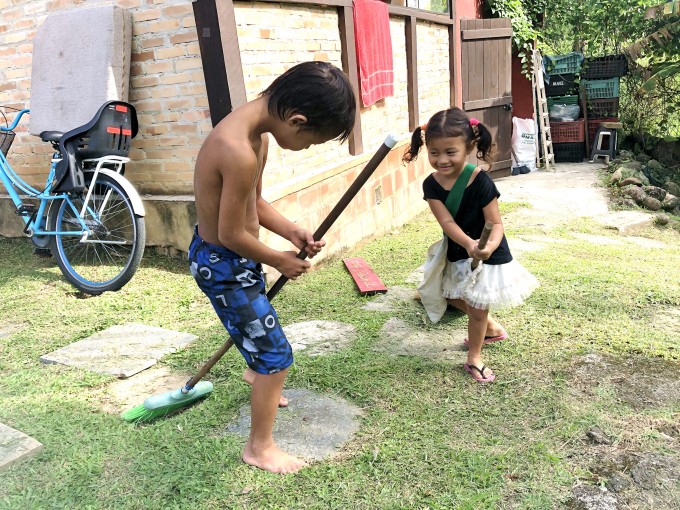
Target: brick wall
(168,91)
(433,69)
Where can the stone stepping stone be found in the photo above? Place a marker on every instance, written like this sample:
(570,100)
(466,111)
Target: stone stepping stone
(8,329)
(601,240)
(402,339)
(394,296)
(15,446)
(122,350)
(124,394)
(312,427)
(416,276)
(589,497)
(519,246)
(626,222)
(646,243)
(316,338)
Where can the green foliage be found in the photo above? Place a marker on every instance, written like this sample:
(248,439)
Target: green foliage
(659,55)
(524,16)
(649,99)
(594,27)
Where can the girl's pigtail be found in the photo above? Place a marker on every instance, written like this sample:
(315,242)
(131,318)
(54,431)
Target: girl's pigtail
(411,153)
(484,142)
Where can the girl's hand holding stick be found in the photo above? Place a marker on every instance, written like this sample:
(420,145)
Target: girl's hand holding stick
(486,232)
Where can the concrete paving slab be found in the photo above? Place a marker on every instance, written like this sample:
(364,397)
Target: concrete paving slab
(8,329)
(15,446)
(401,339)
(601,240)
(518,246)
(319,337)
(122,350)
(416,276)
(626,222)
(124,394)
(312,427)
(646,243)
(555,197)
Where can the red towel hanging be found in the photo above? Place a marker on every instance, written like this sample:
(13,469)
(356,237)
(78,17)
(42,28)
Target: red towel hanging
(374,50)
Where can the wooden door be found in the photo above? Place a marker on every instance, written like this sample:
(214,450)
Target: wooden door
(486,80)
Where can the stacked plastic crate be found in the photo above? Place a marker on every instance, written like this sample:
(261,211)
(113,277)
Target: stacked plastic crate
(567,127)
(601,76)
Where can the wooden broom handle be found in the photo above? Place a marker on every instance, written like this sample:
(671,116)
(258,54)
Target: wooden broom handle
(486,232)
(344,201)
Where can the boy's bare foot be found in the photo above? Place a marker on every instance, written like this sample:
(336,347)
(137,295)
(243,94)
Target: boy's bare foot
(249,377)
(272,459)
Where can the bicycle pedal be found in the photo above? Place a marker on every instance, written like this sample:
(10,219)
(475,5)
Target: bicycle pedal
(26,210)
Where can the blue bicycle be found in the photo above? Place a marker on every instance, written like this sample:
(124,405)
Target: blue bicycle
(89,215)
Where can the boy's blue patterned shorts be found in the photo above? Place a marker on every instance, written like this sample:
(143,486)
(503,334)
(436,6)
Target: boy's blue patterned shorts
(236,289)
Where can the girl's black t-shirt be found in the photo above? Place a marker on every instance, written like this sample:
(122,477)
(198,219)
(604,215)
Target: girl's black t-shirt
(470,216)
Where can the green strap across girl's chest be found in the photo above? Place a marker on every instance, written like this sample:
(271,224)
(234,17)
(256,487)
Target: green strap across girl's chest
(456,194)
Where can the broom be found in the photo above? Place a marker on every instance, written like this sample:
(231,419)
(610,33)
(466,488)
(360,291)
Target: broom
(160,405)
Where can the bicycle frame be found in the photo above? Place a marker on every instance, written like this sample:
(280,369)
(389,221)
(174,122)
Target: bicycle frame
(35,220)
(88,217)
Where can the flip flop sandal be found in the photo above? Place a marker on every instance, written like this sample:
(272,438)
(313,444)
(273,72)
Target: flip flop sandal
(489,339)
(470,370)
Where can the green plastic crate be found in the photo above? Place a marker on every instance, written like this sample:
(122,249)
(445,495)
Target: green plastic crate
(602,89)
(561,64)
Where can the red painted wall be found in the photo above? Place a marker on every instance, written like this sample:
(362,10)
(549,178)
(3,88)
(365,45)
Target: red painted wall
(464,9)
(522,99)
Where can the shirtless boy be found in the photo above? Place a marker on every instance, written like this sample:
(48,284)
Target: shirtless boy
(309,104)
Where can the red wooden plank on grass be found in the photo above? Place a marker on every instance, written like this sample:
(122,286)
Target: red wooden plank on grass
(367,281)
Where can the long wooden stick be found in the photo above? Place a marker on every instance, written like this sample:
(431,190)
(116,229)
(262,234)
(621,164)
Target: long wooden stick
(486,232)
(344,201)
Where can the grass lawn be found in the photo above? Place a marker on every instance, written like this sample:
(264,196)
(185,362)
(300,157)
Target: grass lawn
(430,437)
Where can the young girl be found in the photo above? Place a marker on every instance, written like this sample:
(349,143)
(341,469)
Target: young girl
(499,282)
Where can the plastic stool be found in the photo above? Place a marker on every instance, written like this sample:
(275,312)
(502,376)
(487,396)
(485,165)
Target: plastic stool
(608,130)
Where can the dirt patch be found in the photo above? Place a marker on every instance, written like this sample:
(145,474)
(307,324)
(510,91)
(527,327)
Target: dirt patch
(635,464)
(402,339)
(642,383)
(638,479)
(668,320)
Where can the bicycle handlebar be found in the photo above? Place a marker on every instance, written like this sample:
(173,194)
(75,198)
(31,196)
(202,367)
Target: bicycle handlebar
(16,120)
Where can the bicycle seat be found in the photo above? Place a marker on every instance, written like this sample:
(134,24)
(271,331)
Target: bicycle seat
(109,133)
(51,136)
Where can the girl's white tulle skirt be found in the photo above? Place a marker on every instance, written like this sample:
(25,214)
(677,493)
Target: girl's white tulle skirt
(488,286)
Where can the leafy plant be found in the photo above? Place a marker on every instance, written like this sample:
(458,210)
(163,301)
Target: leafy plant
(525,18)
(649,103)
(659,54)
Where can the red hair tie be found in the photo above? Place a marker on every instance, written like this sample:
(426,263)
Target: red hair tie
(473,121)
(423,127)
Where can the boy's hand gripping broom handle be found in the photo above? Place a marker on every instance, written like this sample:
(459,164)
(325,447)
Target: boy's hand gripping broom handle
(344,201)
(486,232)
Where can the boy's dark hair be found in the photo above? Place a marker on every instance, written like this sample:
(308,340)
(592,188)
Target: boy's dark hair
(451,123)
(319,91)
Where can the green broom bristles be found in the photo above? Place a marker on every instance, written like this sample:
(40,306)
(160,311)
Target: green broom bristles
(141,414)
(166,403)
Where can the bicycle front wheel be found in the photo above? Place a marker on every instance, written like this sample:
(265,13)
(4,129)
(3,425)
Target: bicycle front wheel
(109,255)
